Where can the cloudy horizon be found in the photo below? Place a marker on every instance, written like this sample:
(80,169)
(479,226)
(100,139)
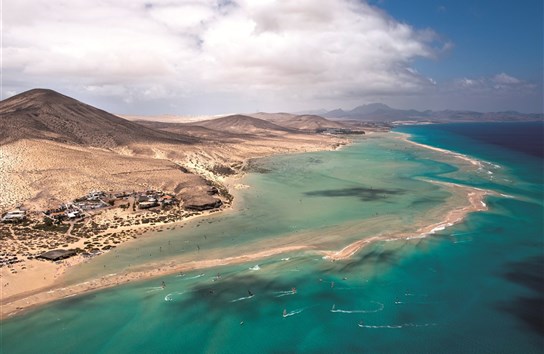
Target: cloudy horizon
(219,56)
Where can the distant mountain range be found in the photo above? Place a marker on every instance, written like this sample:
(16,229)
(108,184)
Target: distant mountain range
(379,112)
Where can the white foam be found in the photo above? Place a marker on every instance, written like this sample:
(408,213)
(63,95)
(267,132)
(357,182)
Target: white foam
(170,296)
(404,325)
(255,267)
(439,228)
(292,313)
(196,276)
(242,298)
(380,308)
(285,293)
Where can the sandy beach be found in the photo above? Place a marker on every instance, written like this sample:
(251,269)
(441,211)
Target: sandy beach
(26,300)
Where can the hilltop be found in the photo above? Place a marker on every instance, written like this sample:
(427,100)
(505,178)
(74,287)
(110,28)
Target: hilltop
(241,124)
(309,122)
(46,114)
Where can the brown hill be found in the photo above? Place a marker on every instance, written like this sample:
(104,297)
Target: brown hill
(242,125)
(272,117)
(202,133)
(310,122)
(306,122)
(46,114)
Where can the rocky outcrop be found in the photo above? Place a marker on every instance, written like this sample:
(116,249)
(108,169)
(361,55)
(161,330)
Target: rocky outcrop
(202,203)
(200,198)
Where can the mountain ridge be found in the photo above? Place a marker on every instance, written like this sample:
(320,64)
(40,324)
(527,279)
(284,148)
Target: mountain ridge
(379,112)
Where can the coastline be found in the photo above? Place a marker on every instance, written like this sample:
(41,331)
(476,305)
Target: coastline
(406,137)
(52,292)
(27,280)
(475,197)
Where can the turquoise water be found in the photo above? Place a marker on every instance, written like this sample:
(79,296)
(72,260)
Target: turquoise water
(474,287)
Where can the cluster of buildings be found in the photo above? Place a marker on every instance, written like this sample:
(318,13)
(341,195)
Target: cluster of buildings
(151,199)
(16,215)
(96,200)
(66,211)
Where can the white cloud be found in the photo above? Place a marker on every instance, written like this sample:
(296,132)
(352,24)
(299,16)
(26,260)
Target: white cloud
(162,49)
(505,79)
(501,81)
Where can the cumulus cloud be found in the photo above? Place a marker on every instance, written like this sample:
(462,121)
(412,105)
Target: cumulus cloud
(148,50)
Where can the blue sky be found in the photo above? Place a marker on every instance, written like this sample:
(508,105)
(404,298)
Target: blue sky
(215,56)
(489,36)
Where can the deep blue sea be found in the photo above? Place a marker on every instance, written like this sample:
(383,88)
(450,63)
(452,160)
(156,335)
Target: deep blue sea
(475,287)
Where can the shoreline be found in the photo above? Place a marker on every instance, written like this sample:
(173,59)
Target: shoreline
(475,197)
(24,301)
(24,280)
(406,137)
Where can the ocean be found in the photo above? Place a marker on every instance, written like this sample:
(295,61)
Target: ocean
(476,286)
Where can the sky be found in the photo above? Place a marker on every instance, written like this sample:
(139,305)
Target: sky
(231,56)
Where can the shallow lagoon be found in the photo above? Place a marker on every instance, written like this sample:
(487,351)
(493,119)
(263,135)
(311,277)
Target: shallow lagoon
(476,286)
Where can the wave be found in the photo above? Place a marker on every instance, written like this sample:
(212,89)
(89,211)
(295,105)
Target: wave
(292,313)
(285,293)
(170,297)
(255,267)
(380,308)
(196,276)
(404,325)
(242,298)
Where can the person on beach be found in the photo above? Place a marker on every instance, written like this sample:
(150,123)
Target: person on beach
(163,285)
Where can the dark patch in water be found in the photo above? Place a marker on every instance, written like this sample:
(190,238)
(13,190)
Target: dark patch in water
(372,258)
(365,194)
(221,296)
(77,300)
(425,201)
(527,308)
